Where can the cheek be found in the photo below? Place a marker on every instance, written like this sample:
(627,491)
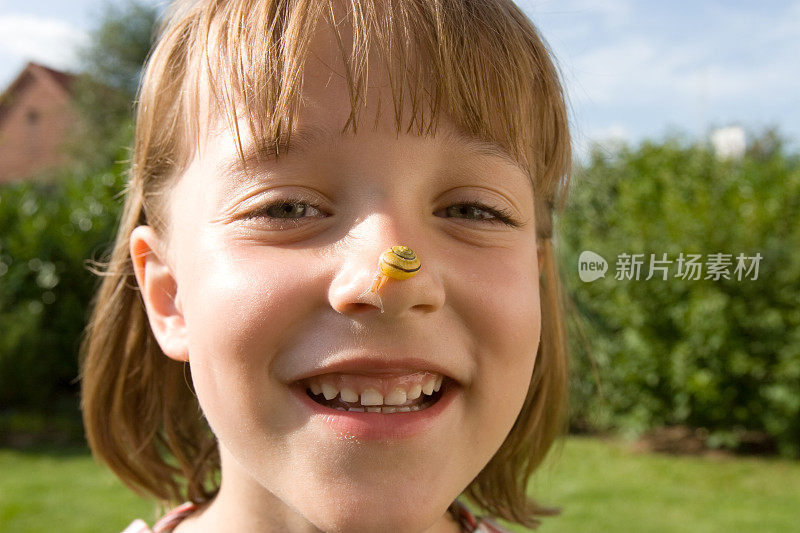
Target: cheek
(240,304)
(505,323)
(504,309)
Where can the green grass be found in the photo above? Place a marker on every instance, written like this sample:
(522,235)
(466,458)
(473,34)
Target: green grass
(603,486)
(600,486)
(65,490)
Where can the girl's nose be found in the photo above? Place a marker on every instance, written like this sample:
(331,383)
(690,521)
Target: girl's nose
(358,267)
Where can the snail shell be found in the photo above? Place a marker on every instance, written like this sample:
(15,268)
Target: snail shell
(399,262)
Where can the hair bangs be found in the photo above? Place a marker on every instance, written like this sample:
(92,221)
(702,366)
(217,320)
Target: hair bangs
(478,62)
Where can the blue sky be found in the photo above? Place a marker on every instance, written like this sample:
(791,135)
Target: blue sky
(632,69)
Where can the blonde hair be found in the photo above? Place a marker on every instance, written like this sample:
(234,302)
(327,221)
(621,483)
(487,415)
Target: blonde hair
(483,63)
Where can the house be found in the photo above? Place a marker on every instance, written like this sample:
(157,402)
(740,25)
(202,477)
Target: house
(36,114)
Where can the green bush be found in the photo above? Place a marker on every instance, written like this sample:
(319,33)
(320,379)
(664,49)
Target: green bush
(723,354)
(48,230)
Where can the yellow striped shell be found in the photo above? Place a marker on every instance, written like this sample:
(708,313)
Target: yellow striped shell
(399,262)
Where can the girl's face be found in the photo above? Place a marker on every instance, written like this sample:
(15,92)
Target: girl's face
(258,285)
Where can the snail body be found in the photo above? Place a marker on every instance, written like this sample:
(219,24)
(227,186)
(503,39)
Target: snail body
(398,262)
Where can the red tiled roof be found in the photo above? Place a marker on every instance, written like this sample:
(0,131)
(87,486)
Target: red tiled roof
(65,79)
(62,79)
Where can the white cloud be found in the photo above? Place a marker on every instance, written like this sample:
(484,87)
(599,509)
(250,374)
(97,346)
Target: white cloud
(631,71)
(50,41)
(680,68)
(637,71)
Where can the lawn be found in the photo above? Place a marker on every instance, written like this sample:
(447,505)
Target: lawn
(603,486)
(63,490)
(600,485)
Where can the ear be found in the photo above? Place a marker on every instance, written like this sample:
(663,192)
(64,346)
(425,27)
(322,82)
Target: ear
(159,290)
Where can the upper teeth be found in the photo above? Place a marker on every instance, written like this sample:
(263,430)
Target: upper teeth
(374,391)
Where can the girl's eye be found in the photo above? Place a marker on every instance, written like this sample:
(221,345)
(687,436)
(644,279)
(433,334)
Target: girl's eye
(287,210)
(480,212)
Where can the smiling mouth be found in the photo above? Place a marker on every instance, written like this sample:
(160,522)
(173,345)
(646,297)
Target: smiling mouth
(402,399)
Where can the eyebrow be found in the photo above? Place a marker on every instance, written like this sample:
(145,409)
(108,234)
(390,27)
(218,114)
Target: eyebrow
(302,140)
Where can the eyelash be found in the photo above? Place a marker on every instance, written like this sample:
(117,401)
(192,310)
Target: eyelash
(263,211)
(500,215)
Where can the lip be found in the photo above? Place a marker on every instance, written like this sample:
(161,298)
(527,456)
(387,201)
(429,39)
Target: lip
(378,426)
(372,366)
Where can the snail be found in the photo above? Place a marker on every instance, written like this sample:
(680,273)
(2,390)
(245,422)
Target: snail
(398,262)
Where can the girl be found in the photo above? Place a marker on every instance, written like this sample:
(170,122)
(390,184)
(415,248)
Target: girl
(281,146)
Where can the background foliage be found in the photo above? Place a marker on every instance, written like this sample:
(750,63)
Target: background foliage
(720,355)
(49,230)
(51,226)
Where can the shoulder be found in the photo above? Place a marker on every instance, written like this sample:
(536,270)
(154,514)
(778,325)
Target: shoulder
(165,524)
(475,524)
